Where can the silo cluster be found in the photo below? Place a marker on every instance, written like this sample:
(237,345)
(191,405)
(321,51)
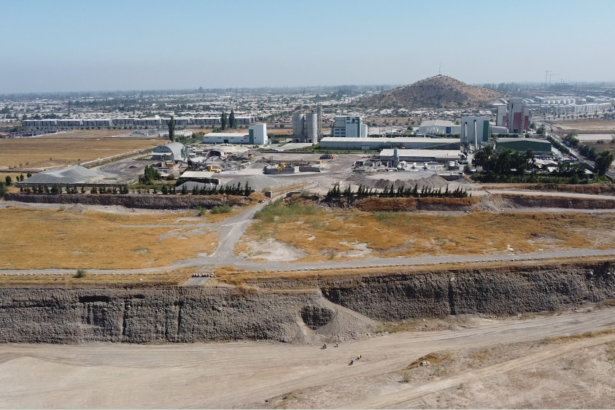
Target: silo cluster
(306,127)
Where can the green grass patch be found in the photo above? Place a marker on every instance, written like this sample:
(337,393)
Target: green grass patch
(222,209)
(278,212)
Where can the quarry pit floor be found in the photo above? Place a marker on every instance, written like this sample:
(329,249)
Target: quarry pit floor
(545,361)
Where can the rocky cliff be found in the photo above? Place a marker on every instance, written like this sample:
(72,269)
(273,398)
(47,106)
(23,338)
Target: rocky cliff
(309,310)
(135,201)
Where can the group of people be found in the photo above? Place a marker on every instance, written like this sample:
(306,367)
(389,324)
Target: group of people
(324,346)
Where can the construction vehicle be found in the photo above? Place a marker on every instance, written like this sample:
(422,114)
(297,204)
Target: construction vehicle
(213,169)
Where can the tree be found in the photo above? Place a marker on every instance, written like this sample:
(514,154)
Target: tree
(223,121)
(603,162)
(8,180)
(232,121)
(172,129)
(2,190)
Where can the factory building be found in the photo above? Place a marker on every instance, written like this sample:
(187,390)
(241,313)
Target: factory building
(501,116)
(367,144)
(523,144)
(475,130)
(517,116)
(256,135)
(307,127)
(439,127)
(349,127)
(420,155)
(173,152)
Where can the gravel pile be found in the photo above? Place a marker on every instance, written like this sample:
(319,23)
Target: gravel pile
(260,182)
(75,174)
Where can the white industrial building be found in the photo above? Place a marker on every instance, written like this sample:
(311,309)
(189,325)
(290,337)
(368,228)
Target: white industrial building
(367,144)
(349,127)
(256,135)
(174,152)
(420,155)
(475,130)
(517,116)
(439,127)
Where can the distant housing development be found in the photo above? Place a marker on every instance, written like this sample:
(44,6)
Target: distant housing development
(130,122)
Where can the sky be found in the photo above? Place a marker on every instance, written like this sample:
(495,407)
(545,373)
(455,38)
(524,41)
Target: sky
(108,45)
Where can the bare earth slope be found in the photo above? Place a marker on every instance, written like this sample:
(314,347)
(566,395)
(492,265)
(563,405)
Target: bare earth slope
(434,92)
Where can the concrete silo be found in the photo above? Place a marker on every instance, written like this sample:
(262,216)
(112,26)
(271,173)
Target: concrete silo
(299,126)
(311,127)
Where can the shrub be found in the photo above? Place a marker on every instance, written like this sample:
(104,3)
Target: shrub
(81,273)
(223,209)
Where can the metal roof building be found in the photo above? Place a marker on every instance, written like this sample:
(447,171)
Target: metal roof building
(523,144)
(439,127)
(366,144)
(173,151)
(420,155)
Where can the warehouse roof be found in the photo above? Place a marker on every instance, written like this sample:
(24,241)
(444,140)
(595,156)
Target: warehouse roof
(522,140)
(448,155)
(226,134)
(393,140)
(197,174)
(433,123)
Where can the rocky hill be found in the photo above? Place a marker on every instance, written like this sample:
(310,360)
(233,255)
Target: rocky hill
(434,92)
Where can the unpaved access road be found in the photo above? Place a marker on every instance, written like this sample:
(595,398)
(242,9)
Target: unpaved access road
(223,375)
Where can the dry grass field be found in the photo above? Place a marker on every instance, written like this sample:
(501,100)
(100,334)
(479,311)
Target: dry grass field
(336,235)
(586,126)
(88,134)
(35,153)
(175,277)
(42,238)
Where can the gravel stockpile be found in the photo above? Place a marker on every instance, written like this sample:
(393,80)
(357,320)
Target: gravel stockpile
(75,174)
(260,182)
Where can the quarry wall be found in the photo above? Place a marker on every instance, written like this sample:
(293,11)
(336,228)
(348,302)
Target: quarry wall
(289,309)
(134,201)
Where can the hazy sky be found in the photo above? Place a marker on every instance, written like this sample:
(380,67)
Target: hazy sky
(59,45)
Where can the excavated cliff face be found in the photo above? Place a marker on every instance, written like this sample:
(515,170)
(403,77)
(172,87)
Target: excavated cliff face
(154,315)
(488,291)
(332,307)
(135,201)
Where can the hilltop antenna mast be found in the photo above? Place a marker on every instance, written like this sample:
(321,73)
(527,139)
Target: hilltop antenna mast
(440,69)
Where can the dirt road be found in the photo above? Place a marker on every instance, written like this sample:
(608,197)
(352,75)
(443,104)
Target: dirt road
(247,374)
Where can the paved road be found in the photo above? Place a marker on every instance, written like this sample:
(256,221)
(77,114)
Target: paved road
(245,374)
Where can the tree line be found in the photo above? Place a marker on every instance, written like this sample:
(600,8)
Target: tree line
(390,192)
(602,159)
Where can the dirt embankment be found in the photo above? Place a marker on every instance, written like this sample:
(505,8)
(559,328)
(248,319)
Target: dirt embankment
(309,310)
(591,189)
(136,201)
(527,201)
(415,204)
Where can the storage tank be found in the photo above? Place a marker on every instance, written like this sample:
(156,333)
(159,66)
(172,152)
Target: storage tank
(298,125)
(311,125)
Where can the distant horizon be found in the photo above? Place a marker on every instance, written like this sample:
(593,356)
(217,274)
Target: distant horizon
(195,89)
(69,46)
